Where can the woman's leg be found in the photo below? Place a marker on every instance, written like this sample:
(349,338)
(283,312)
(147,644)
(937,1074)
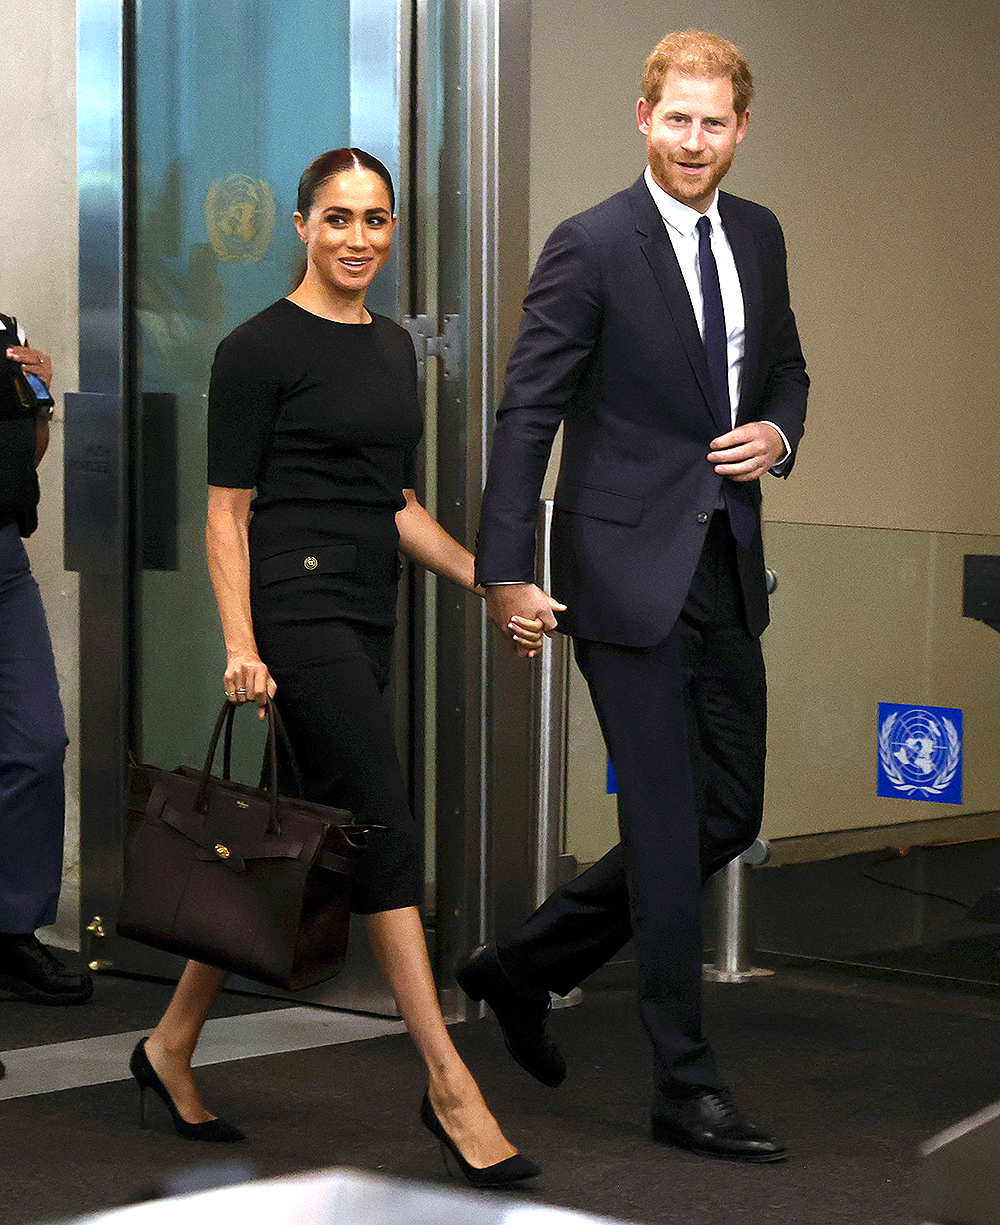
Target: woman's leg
(397,938)
(340,730)
(170,1047)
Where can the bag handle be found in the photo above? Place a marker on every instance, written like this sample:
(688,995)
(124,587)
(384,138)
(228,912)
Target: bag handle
(275,721)
(275,728)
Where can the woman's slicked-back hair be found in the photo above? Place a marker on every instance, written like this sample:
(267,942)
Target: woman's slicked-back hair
(329,164)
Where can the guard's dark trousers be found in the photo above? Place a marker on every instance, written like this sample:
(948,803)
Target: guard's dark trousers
(32,749)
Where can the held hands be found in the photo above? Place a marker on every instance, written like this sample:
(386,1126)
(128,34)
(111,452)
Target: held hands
(523,613)
(248,680)
(34,361)
(748,452)
(526,635)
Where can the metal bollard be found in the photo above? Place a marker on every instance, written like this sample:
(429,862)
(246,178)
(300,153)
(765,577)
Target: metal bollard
(732,951)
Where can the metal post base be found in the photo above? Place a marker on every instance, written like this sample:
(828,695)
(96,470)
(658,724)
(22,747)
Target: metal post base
(712,974)
(732,957)
(566,1001)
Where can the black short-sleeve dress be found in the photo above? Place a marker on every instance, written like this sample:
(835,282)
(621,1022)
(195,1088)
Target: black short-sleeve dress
(321,420)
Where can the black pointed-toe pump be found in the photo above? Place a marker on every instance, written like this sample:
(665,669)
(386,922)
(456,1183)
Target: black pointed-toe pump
(146,1078)
(513,1169)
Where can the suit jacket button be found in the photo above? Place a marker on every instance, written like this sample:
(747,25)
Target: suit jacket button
(703,518)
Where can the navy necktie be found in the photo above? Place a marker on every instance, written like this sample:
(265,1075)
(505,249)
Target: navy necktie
(739,504)
(716,336)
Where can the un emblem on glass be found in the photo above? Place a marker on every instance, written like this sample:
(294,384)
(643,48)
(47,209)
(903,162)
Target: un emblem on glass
(920,752)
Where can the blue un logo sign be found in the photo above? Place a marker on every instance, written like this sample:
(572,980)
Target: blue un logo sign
(920,753)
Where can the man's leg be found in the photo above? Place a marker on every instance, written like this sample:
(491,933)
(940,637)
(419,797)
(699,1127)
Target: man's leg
(642,703)
(649,884)
(579,927)
(684,724)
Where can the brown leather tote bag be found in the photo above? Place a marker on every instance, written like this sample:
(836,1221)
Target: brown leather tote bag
(235,876)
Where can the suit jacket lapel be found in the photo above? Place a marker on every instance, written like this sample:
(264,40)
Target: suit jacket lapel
(655,244)
(748,267)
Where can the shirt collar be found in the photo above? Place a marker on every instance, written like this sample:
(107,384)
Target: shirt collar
(679,216)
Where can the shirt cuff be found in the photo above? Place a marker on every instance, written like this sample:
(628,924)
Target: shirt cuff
(776,468)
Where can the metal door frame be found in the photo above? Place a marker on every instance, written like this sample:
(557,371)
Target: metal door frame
(475,152)
(486,795)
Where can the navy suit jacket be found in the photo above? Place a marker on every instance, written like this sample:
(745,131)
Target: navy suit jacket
(610,346)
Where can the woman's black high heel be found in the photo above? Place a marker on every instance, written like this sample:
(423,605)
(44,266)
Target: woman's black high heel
(512,1170)
(146,1078)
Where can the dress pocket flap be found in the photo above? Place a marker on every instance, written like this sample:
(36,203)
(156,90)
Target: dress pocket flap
(599,503)
(300,563)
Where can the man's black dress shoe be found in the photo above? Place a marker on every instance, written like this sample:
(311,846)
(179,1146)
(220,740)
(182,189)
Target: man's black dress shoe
(522,1014)
(30,971)
(3,1070)
(709,1123)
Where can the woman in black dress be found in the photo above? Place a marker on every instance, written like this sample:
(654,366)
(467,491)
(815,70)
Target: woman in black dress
(313,421)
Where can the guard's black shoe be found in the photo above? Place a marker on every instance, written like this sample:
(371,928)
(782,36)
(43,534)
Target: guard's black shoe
(3,1070)
(29,971)
(709,1123)
(522,1014)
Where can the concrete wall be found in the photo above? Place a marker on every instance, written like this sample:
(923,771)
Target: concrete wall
(38,284)
(894,268)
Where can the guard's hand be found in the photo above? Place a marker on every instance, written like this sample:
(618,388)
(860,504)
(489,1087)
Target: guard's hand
(748,452)
(248,680)
(512,607)
(34,361)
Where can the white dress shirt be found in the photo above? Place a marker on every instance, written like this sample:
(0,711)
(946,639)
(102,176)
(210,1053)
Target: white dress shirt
(681,224)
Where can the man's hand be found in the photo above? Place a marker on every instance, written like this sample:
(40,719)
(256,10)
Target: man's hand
(523,601)
(748,452)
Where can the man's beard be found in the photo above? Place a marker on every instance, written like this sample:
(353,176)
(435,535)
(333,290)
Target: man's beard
(674,183)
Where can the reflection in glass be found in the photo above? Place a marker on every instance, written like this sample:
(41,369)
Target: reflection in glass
(233,100)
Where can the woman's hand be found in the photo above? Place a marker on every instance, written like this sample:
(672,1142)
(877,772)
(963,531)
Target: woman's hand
(527,636)
(248,680)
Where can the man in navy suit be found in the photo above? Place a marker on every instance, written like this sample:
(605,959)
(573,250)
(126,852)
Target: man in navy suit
(657,329)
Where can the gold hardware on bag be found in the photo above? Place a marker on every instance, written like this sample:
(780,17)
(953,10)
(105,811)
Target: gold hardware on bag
(221,851)
(310,563)
(242,804)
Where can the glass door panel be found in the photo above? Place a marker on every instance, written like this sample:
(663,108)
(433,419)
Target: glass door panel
(233,99)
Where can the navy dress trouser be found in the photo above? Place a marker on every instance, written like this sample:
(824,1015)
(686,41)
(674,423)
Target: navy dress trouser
(684,723)
(32,750)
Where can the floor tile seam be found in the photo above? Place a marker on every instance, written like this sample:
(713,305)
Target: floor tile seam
(48,1079)
(391,1025)
(918,997)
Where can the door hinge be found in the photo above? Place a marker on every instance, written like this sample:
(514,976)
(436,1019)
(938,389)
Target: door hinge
(447,345)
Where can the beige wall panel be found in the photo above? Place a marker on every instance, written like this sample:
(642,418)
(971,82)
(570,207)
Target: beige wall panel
(860,617)
(38,283)
(895,277)
(896,292)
